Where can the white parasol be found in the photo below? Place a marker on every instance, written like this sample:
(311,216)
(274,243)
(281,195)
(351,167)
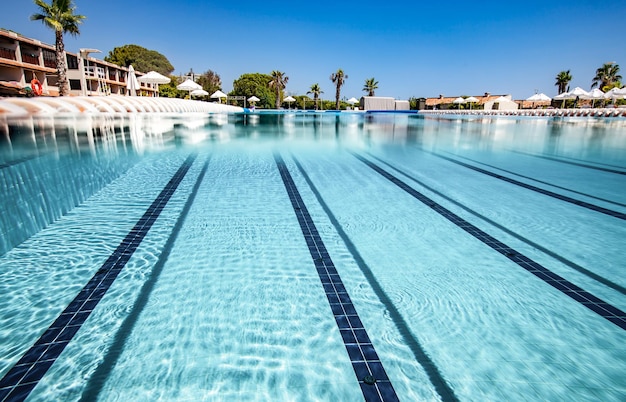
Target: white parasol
(132,85)
(199,92)
(154,78)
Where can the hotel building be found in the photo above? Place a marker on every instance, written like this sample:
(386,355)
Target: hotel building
(23,58)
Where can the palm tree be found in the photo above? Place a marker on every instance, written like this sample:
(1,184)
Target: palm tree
(370,86)
(316,91)
(562,81)
(278,82)
(59,15)
(606,76)
(338,79)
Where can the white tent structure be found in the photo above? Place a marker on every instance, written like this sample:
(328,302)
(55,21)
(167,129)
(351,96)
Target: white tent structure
(378,103)
(501,103)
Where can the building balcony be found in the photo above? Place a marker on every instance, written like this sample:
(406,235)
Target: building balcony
(30,59)
(7,53)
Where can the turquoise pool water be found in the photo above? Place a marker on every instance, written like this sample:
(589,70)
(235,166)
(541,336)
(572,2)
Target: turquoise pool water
(472,258)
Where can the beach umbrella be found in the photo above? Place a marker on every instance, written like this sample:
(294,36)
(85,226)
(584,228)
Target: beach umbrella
(289,99)
(132,85)
(188,85)
(219,95)
(352,101)
(595,94)
(472,99)
(153,77)
(562,97)
(199,92)
(458,101)
(615,93)
(253,99)
(579,92)
(539,98)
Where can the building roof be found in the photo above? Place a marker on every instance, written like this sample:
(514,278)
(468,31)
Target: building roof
(445,100)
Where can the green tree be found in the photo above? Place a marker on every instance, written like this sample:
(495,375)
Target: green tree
(59,16)
(169,90)
(142,59)
(338,78)
(278,83)
(316,91)
(210,81)
(606,76)
(256,84)
(562,81)
(370,86)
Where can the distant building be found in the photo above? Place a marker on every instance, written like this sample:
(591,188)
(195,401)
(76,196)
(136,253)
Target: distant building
(383,103)
(23,58)
(486,101)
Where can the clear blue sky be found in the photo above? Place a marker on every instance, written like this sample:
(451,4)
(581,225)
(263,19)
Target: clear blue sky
(412,48)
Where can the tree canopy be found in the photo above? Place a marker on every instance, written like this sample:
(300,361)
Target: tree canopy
(256,84)
(278,82)
(210,81)
(607,77)
(142,59)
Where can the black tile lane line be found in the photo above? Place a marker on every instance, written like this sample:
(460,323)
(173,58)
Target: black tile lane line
(574,201)
(368,368)
(18,382)
(595,304)
(98,378)
(443,389)
(573,163)
(539,181)
(571,264)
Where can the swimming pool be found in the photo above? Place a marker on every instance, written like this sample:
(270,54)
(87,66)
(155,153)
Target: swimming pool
(313,256)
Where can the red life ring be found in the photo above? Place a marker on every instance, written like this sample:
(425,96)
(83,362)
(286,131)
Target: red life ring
(36,86)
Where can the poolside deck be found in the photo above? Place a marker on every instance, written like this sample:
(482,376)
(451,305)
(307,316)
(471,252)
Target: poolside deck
(583,112)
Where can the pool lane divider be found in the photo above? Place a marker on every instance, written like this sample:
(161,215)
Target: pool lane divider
(571,264)
(22,378)
(446,393)
(540,181)
(550,158)
(368,368)
(593,303)
(97,380)
(606,211)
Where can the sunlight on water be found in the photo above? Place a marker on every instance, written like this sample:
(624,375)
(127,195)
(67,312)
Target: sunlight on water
(222,301)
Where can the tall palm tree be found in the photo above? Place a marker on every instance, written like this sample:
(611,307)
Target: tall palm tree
(278,82)
(316,91)
(562,81)
(370,86)
(606,76)
(59,15)
(338,78)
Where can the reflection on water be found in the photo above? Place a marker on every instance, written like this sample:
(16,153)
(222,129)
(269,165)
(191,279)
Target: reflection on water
(600,140)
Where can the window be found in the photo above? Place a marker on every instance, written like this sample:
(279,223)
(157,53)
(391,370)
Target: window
(72,62)
(75,84)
